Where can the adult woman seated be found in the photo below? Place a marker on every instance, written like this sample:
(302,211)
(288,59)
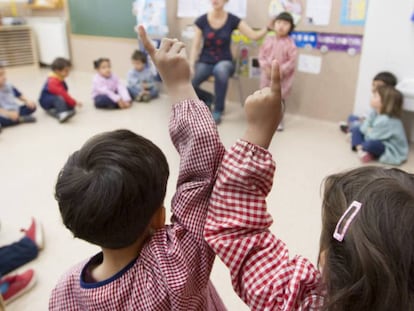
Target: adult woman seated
(213,38)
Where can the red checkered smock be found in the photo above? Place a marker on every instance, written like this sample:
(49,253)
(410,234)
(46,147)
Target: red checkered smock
(237,229)
(173,269)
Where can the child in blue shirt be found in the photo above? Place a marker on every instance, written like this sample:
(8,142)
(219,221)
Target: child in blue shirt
(141,82)
(381,136)
(11,110)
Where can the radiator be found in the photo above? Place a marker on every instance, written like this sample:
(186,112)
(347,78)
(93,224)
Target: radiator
(51,38)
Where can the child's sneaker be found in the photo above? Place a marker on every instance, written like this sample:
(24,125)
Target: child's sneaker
(16,285)
(65,115)
(35,233)
(27,119)
(146,98)
(343,126)
(364,156)
(217,117)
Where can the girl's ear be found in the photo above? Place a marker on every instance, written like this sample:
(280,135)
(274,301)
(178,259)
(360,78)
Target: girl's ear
(158,220)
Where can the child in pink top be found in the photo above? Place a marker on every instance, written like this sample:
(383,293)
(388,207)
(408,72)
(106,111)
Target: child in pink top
(283,49)
(107,90)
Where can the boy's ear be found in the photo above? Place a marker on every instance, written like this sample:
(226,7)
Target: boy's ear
(158,219)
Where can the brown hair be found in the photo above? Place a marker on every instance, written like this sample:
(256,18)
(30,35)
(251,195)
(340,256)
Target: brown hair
(60,63)
(391,101)
(373,267)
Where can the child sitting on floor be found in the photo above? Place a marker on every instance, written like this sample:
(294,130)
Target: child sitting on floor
(366,246)
(54,98)
(111,193)
(382,136)
(141,82)
(380,79)
(107,91)
(11,111)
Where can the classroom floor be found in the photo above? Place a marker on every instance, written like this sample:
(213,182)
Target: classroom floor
(31,156)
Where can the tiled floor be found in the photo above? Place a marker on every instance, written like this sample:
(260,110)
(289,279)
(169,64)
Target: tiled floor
(31,156)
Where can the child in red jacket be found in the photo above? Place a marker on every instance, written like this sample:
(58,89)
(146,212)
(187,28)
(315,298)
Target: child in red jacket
(55,98)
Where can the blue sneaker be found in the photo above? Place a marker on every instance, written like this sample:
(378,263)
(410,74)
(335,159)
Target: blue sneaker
(217,117)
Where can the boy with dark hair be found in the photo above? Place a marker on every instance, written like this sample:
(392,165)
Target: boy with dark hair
(11,111)
(111,193)
(54,97)
(141,81)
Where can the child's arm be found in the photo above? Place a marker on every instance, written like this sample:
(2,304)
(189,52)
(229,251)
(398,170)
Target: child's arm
(100,86)
(10,114)
(264,53)
(55,87)
(29,103)
(122,91)
(288,66)
(193,133)
(237,226)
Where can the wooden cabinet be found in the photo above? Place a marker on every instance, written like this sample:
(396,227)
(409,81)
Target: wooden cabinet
(17,46)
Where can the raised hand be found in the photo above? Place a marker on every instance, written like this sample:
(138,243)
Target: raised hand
(263,111)
(172,64)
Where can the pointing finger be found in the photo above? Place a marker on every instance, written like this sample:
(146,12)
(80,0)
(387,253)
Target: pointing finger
(149,47)
(275,78)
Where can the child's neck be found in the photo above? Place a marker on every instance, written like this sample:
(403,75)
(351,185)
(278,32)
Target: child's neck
(114,260)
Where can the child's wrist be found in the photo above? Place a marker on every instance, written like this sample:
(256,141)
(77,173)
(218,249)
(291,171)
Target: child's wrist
(180,92)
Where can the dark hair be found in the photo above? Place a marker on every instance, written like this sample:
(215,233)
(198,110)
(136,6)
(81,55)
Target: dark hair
(109,189)
(97,63)
(391,101)
(139,55)
(373,267)
(387,77)
(60,63)
(286,16)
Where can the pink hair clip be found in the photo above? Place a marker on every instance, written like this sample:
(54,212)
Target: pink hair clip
(349,216)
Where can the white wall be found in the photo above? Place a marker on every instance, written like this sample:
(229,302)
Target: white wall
(388,45)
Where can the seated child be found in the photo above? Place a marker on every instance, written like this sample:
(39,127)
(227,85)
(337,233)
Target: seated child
(380,79)
(366,260)
(11,111)
(382,136)
(54,97)
(282,48)
(141,82)
(111,193)
(107,91)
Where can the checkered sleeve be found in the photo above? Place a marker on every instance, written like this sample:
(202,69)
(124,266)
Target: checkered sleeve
(237,229)
(194,134)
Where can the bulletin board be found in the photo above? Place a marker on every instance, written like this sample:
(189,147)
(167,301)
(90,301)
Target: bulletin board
(329,95)
(106,18)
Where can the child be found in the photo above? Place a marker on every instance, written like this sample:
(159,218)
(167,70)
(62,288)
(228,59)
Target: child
(54,97)
(141,83)
(107,91)
(380,79)
(366,253)
(381,136)
(282,48)
(11,112)
(111,193)
(15,255)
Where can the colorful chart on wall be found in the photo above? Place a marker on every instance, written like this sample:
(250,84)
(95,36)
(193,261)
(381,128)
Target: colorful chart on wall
(153,15)
(294,7)
(354,12)
(195,8)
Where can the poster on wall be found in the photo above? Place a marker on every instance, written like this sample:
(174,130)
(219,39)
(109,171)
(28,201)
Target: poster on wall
(318,12)
(195,8)
(294,7)
(353,12)
(305,39)
(153,15)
